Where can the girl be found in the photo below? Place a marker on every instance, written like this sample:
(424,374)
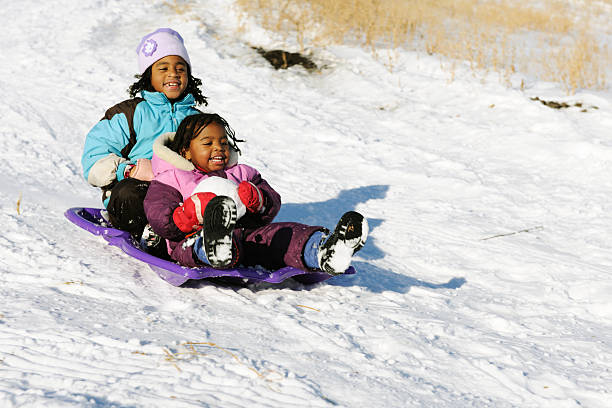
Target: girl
(203,228)
(118,149)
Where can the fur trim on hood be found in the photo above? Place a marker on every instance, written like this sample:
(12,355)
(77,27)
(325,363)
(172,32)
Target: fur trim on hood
(161,150)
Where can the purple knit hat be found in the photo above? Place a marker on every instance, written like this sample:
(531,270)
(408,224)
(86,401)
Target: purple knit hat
(159,44)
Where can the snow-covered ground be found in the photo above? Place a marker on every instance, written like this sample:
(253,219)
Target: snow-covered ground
(486,281)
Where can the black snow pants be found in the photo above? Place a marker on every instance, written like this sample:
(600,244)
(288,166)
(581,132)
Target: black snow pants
(125,208)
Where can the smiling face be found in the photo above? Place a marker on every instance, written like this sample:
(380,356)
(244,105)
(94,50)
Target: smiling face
(209,150)
(169,76)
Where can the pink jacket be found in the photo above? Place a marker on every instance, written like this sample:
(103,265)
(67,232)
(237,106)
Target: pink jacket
(174,180)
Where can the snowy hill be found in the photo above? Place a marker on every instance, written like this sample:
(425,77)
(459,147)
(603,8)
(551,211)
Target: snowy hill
(486,280)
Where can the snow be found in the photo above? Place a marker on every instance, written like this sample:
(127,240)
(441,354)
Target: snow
(485,280)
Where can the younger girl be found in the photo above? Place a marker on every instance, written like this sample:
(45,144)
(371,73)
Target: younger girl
(202,228)
(118,149)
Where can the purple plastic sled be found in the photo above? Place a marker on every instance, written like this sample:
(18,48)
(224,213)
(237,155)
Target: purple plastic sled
(90,219)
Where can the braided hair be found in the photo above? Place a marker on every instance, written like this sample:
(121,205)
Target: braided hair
(193,86)
(191,126)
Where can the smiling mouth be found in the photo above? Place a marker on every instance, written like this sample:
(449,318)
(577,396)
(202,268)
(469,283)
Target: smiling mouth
(172,85)
(217,159)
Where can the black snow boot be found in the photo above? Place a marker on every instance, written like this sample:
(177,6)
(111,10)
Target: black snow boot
(217,230)
(348,237)
(153,244)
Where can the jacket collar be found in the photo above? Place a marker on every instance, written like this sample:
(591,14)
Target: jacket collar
(170,156)
(158,98)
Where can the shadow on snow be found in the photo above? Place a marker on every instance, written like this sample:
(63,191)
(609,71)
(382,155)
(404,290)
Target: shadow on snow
(327,213)
(368,276)
(379,280)
(85,399)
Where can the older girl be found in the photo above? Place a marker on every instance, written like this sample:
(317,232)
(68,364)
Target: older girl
(118,149)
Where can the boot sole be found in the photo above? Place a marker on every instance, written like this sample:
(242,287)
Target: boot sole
(219,221)
(350,232)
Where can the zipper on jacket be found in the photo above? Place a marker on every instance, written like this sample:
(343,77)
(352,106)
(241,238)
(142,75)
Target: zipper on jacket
(174,122)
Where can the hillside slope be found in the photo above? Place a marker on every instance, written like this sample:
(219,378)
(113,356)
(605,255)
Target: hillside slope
(485,282)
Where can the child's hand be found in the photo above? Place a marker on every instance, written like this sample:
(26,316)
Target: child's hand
(250,196)
(189,216)
(142,170)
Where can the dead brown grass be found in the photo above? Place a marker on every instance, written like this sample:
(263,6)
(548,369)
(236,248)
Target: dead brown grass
(178,7)
(549,39)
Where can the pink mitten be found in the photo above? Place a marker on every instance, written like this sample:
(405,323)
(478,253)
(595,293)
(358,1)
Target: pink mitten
(142,170)
(250,196)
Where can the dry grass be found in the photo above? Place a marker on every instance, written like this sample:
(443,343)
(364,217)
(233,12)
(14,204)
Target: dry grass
(581,65)
(550,39)
(178,7)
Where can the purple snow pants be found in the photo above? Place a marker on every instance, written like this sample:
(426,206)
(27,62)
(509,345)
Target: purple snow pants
(275,245)
(272,246)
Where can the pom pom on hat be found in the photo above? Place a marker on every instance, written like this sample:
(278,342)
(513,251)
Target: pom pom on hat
(159,44)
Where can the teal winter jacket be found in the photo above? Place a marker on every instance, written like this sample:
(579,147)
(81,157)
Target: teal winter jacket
(126,133)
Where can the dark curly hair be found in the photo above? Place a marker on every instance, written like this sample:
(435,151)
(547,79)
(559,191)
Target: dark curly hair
(191,126)
(193,86)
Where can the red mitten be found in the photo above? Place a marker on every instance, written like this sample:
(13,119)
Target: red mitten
(142,170)
(189,216)
(251,196)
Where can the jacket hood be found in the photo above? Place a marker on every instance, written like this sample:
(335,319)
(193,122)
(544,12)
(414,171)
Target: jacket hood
(173,159)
